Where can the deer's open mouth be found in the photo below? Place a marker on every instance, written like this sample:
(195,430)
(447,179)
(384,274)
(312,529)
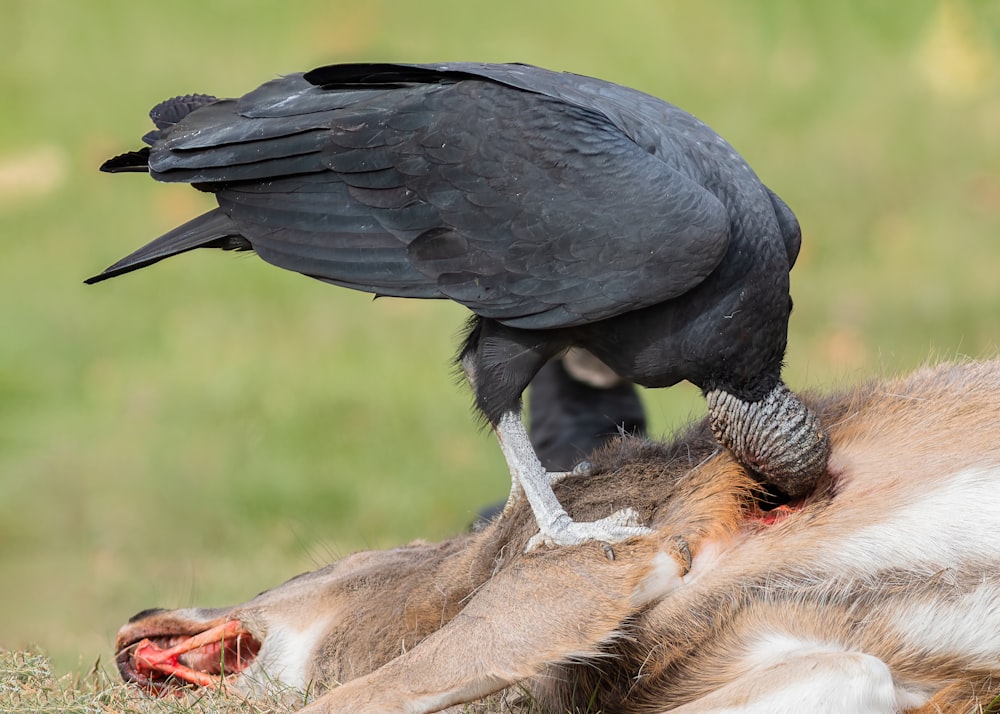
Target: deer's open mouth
(169,662)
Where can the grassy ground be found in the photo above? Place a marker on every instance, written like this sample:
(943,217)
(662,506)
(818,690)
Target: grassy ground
(195,433)
(28,683)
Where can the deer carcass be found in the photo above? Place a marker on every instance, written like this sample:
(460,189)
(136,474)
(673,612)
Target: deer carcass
(880,592)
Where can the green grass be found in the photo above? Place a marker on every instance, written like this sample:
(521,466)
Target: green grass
(197,432)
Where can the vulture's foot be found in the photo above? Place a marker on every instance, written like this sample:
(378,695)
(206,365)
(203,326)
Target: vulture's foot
(528,477)
(581,469)
(615,528)
(778,437)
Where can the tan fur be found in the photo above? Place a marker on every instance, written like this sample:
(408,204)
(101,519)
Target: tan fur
(430,625)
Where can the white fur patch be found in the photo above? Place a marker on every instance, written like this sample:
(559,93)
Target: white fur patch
(787,675)
(707,557)
(969,625)
(665,577)
(286,657)
(935,528)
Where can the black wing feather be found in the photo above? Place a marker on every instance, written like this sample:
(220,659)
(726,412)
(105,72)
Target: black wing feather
(530,197)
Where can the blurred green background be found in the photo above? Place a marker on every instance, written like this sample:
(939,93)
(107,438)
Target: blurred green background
(207,428)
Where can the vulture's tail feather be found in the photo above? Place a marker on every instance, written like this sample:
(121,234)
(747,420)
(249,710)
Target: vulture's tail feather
(164,115)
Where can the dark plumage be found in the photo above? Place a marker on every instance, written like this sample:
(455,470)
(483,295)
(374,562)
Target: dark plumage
(561,210)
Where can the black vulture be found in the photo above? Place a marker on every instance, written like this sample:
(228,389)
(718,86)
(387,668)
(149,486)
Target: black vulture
(563,211)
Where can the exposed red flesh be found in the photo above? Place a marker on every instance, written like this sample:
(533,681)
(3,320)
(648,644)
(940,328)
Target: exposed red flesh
(775,515)
(149,658)
(203,659)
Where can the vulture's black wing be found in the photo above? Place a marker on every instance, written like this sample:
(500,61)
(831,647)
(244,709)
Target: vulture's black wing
(520,193)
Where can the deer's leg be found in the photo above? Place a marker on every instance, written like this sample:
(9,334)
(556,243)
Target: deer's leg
(541,609)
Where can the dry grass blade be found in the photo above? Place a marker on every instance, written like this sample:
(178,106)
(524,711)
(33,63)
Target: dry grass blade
(27,684)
